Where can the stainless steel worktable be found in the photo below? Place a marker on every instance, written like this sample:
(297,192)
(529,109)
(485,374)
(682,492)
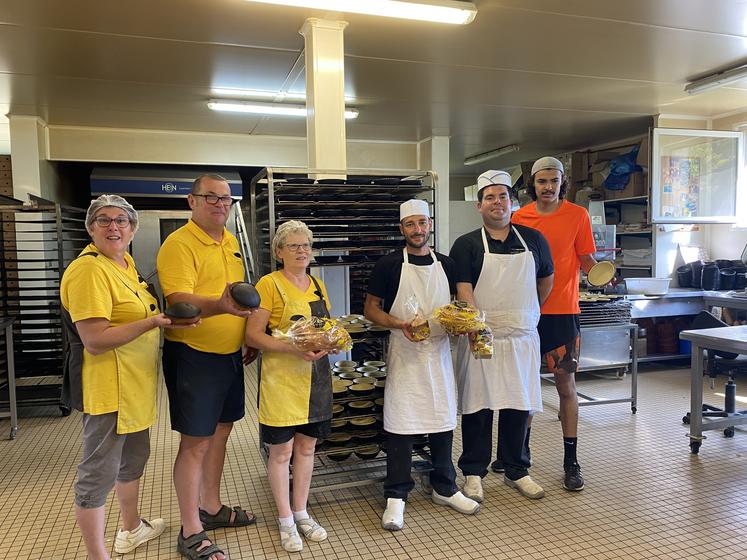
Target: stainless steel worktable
(6,323)
(723,299)
(728,339)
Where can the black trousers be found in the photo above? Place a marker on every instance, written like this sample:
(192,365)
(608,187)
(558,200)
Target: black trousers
(399,483)
(477,441)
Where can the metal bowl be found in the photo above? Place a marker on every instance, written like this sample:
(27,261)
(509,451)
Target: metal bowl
(339,456)
(346,363)
(368,452)
(361,389)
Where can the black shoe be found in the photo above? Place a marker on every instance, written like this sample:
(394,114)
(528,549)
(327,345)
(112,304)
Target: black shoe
(497,466)
(573,480)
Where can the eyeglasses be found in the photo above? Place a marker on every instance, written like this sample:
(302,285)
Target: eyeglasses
(296,246)
(105,221)
(214,198)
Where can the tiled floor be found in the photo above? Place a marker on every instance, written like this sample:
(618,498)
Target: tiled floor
(646,497)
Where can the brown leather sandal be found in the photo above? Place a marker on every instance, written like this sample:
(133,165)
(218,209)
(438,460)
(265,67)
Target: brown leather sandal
(223,518)
(189,547)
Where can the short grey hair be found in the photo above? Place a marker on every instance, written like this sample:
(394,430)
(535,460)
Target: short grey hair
(213,176)
(111,200)
(289,228)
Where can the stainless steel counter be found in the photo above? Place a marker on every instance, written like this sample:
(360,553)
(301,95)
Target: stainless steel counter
(728,339)
(679,301)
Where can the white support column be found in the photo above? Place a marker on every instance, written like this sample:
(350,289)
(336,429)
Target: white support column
(32,172)
(433,155)
(325,93)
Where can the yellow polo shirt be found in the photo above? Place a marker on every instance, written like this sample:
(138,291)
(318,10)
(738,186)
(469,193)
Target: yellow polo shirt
(192,262)
(272,301)
(91,289)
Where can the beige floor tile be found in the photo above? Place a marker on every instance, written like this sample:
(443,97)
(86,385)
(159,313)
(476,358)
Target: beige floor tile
(646,497)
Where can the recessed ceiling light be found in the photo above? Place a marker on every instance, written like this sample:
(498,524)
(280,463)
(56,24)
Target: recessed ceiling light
(438,11)
(257,108)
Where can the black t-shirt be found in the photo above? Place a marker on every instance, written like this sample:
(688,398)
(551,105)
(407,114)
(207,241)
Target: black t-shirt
(384,280)
(468,252)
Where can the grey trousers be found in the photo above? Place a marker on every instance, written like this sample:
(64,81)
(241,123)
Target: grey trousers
(108,457)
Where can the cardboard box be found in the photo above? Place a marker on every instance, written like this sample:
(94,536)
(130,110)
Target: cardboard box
(642,158)
(637,186)
(579,167)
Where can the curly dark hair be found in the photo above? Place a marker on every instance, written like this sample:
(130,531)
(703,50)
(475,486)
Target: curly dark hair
(532,193)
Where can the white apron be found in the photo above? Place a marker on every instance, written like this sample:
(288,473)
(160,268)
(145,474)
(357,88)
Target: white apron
(419,396)
(507,292)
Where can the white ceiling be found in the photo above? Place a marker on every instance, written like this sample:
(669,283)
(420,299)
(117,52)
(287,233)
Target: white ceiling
(548,75)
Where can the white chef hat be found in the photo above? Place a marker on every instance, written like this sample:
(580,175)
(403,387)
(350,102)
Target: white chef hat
(493,177)
(414,207)
(547,162)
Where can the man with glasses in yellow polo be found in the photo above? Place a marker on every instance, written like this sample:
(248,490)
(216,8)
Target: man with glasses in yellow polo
(203,369)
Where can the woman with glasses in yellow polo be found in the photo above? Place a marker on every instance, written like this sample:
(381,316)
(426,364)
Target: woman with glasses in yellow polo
(111,371)
(295,388)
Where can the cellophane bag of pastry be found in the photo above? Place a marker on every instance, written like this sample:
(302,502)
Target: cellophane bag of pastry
(419,328)
(459,317)
(482,344)
(317,334)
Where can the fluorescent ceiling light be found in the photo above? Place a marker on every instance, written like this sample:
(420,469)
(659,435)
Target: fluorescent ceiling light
(271,95)
(439,11)
(717,80)
(257,108)
(485,156)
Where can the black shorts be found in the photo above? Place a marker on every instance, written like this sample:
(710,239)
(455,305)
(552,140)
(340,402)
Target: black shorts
(204,388)
(275,435)
(557,330)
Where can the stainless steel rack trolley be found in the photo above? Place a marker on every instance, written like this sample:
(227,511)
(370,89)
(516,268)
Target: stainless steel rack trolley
(354,216)
(608,338)
(39,239)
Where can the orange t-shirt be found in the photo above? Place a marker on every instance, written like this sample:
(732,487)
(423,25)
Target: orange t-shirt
(568,232)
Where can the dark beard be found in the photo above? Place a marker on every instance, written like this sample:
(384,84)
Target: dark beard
(422,244)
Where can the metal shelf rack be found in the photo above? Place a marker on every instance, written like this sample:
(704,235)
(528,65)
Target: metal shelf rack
(353,214)
(39,239)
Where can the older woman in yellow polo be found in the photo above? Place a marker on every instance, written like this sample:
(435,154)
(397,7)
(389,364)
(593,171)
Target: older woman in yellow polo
(112,325)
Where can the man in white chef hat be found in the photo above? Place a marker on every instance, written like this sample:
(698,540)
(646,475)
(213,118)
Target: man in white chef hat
(420,396)
(506,271)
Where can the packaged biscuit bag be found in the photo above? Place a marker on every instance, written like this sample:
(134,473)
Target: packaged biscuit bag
(317,334)
(482,344)
(419,327)
(459,317)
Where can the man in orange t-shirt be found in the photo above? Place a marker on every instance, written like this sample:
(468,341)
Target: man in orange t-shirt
(567,229)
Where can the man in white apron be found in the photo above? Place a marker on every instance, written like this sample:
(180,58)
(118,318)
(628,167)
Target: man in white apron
(505,271)
(420,397)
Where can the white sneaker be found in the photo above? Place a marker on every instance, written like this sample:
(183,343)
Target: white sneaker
(526,486)
(393,518)
(311,529)
(473,488)
(458,501)
(127,541)
(289,538)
